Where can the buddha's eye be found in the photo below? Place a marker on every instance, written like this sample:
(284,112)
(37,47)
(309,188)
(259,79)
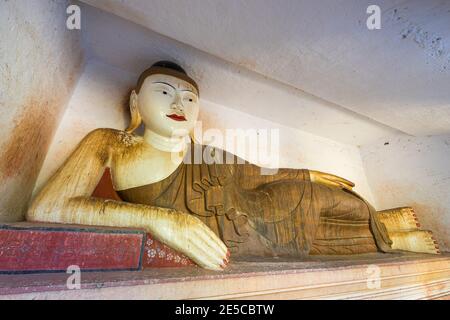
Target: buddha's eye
(189,98)
(164,92)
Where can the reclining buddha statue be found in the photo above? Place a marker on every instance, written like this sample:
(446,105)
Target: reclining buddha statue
(213,209)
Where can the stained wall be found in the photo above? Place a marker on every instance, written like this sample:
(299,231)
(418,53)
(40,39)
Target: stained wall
(40,62)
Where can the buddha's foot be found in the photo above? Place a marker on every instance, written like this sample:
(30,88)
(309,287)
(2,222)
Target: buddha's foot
(399,219)
(415,241)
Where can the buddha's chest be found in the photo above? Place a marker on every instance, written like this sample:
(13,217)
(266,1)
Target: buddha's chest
(143,168)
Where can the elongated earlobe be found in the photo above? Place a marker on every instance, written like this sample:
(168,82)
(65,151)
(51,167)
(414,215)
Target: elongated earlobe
(191,135)
(135,116)
(195,138)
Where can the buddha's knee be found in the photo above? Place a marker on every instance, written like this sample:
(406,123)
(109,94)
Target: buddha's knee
(346,206)
(281,196)
(356,209)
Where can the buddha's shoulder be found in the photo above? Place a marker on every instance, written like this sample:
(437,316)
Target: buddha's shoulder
(113,137)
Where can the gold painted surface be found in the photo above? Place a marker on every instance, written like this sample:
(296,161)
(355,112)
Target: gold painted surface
(399,219)
(404,230)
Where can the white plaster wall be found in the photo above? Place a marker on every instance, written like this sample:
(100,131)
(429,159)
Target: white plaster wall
(100,100)
(40,61)
(133,48)
(397,75)
(413,171)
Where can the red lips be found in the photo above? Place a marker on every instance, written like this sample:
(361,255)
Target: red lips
(176,117)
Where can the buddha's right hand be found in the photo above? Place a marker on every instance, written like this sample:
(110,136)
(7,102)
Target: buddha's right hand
(189,235)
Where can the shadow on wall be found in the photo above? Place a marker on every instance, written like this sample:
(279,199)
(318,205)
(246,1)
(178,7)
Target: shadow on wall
(41,63)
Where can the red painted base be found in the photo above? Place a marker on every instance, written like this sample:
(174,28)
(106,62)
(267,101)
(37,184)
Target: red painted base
(157,255)
(32,247)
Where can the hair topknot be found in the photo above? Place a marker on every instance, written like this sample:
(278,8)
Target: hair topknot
(169,65)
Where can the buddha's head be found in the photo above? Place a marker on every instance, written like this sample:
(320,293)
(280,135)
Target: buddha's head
(165,100)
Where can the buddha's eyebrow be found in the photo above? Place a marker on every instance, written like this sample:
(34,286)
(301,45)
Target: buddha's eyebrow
(188,90)
(166,84)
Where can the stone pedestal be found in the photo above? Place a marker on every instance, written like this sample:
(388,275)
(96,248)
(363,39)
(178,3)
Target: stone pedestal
(43,247)
(30,247)
(410,276)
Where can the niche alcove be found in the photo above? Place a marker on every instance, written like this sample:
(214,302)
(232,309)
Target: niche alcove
(376,112)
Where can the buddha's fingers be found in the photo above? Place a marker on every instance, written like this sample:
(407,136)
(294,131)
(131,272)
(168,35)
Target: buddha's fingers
(197,241)
(347,182)
(206,256)
(212,244)
(331,180)
(209,236)
(337,182)
(338,179)
(190,242)
(203,262)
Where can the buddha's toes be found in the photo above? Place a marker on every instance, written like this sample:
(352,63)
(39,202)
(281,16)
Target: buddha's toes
(399,219)
(415,241)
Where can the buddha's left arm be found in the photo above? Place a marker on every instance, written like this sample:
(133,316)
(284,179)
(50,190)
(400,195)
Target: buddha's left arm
(261,175)
(330,180)
(251,176)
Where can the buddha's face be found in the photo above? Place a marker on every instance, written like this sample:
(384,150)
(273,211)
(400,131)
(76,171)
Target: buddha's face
(168,105)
